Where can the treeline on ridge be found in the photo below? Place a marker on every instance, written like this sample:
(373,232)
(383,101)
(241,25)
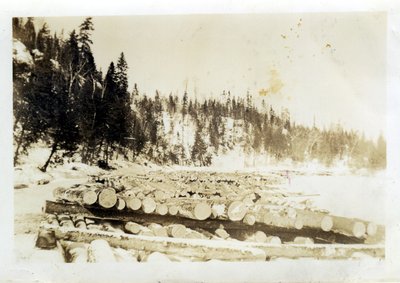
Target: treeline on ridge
(63,99)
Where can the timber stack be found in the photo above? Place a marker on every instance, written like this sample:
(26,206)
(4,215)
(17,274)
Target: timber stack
(197,216)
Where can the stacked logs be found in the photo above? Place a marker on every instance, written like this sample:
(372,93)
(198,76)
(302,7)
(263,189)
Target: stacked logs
(151,201)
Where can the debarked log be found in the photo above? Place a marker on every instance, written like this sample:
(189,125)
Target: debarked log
(84,196)
(204,249)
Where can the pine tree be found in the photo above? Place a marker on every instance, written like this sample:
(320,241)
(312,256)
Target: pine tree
(42,39)
(29,34)
(199,148)
(85,42)
(184,104)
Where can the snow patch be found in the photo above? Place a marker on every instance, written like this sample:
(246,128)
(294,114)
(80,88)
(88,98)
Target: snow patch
(21,54)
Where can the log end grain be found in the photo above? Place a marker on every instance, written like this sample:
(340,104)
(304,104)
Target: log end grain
(202,211)
(237,210)
(133,227)
(173,210)
(107,198)
(249,219)
(148,205)
(134,203)
(326,223)
(89,197)
(161,209)
(359,229)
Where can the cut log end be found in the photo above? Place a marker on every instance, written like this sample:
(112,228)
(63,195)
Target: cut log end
(326,223)
(260,237)
(134,203)
(133,227)
(249,219)
(359,229)
(148,205)
(121,204)
(162,209)
(274,240)
(202,211)
(176,230)
(298,224)
(89,197)
(173,210)
(107,198)
(237,210)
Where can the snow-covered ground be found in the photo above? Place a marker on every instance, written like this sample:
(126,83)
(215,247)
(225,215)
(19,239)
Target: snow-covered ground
(349,195)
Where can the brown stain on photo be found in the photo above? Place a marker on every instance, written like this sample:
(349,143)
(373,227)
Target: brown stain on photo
(275,84)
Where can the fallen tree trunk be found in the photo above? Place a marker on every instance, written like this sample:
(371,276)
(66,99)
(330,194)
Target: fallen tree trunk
(204,249)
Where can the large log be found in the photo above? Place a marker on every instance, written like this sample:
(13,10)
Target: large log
(204,249)
(349,227)
(315,219)
(196,210)
(84,196)
(221,250)
(125,256)
(274,218)
(100,251)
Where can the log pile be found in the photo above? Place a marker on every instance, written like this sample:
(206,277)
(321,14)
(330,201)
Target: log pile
(192,216)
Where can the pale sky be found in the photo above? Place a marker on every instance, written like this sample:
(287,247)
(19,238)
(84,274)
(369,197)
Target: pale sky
(328,65)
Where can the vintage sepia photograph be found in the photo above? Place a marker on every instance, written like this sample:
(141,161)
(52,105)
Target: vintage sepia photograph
(199,138)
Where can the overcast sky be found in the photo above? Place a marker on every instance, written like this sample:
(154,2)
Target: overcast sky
(323,65)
